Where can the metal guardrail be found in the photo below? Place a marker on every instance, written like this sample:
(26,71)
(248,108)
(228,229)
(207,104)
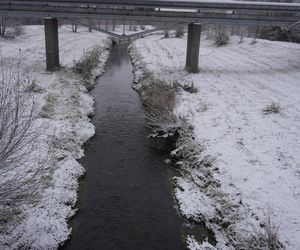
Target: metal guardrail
(215,4)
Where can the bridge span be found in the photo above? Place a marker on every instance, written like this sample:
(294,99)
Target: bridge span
(193,13)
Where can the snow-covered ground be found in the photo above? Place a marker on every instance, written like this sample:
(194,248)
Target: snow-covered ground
(254,156)
(64,105)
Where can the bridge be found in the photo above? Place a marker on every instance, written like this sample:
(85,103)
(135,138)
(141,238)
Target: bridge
(193,13)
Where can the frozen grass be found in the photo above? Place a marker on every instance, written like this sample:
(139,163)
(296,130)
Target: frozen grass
(266,236)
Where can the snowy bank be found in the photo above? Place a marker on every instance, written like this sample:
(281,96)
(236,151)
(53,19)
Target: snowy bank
(247,180)
(64,107)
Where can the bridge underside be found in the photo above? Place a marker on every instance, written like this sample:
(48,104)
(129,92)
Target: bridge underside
(52,51)
(152,12)
(158,11)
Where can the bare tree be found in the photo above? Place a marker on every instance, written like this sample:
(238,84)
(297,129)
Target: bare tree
(221,37)
(90,23)
(3,25)
(134,27)
(106,25)
(74,28)
(242,31)
(113,25)
(207,28)
(21,167)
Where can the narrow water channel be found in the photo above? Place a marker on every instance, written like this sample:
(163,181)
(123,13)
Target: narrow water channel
(126,199)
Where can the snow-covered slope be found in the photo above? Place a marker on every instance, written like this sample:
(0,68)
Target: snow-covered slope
(64,106)
(255,156)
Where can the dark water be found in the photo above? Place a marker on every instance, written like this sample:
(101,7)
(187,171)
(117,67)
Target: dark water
(126,200)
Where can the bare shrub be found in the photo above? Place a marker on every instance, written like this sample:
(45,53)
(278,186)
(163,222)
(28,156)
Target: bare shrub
(179,32)
(221,37)
(159,100)
(273,108)
(48,109)
(19,30)
(253,41)
(242,32)
(241,38)
(10,27)
(88,62)
(74,28)
(33,88)
(279,34)
(21,169)
(166,34)
(208,32)
(113,25)
(13,31)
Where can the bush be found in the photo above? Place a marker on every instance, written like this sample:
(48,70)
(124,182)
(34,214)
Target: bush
(272,108)
(159,100)
(88,62)
(18,30)
(221,37)
(179,32)
(10,27)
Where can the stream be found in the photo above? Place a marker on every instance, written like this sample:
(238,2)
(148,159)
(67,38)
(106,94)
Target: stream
(126,197)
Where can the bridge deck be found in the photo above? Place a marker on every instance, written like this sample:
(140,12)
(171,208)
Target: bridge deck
(258,13)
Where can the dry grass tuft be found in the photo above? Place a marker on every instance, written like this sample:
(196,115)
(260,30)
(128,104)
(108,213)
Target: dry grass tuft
(267,237)
(273,108)
(159,100)
(87,63)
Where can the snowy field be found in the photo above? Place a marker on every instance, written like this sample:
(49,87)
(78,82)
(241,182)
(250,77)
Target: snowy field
(253,156)
(63,105)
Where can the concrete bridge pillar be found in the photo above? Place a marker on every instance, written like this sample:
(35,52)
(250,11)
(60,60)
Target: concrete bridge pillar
(51,40)
(193,46)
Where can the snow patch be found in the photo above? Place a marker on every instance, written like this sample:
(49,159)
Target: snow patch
(256,155)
